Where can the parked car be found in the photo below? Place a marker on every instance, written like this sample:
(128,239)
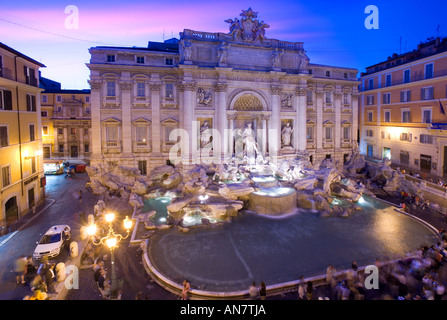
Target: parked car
(52,242)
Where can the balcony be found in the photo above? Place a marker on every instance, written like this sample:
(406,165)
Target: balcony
(111,147)
(141,146)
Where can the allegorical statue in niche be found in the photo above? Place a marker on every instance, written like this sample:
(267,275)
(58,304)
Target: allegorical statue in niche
(250,146)
(205,134)
(222,52)
(286,135)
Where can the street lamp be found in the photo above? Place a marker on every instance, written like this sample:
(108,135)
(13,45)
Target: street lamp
(111,240)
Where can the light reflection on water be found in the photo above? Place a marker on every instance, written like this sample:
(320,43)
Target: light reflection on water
(226,258)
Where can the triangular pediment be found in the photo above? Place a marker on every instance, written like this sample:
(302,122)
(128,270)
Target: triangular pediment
(170,121)
(112,120)
(141,120)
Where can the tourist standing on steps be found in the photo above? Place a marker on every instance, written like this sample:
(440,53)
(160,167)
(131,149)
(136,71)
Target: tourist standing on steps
(309,290)
(330,278)
(262,291)
(186,289)
(301,289)
(253,291)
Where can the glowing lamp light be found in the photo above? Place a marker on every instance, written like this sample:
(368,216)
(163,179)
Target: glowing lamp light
(26,154)
(110,217)
(111,242)
(91,229)
(127,223)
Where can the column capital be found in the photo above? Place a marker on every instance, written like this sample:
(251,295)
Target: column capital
(125,85)
(301,91)
(231,116)
(338,94)
(220,87)
(275,89)
(319,93)
(155,86)
(265,117)
(95,84)
(187,86)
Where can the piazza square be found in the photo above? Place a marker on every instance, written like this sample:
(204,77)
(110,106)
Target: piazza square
(225,165)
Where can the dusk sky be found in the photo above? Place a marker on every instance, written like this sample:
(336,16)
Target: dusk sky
(333,32)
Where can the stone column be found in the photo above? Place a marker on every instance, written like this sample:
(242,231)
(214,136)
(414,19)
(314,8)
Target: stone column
(264,119)
(188,87)
(155,119)
(221,116)
(337,134)
(319,128)
(126,103)
(81,141)
(301,119)
(56,142)
(95,109)
(66,151)
(275,123)
(230,146)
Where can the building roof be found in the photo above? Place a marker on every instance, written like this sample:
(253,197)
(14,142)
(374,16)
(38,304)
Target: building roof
(67,91)
(424,49)
(170,45)
(21,55)
(49,84)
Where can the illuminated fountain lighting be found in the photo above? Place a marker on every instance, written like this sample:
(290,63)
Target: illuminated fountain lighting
(336,202)
(361,200)
(203,197)
(170,194)
(194,217)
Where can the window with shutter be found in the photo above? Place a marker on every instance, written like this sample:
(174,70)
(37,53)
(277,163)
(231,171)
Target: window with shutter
(7,100)
(3,136)
(1,66)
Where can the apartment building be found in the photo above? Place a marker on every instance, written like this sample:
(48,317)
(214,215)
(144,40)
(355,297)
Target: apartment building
(403,108)
(21,162)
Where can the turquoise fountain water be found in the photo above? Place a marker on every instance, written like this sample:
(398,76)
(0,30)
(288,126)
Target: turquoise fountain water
(280,249)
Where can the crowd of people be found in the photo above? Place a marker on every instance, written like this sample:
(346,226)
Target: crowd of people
(40,279)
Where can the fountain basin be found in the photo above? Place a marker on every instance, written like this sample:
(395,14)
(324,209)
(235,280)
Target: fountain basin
(273,201)
(266,181)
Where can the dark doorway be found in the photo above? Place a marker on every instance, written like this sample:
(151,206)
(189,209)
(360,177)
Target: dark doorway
(74,151)
(369,151)
(425,163)
(31,199)
(11,211)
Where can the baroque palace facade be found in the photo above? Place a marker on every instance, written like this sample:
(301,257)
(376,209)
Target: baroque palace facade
(211,85)
(66,124)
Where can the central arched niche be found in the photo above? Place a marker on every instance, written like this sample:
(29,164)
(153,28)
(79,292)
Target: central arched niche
(247,101)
